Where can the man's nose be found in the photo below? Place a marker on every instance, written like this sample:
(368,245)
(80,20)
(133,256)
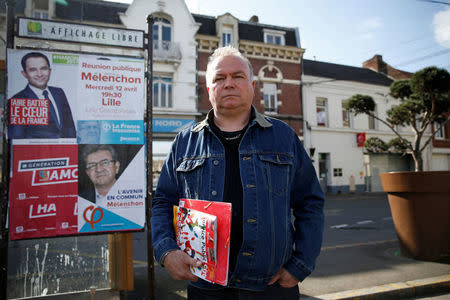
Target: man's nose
(229,81)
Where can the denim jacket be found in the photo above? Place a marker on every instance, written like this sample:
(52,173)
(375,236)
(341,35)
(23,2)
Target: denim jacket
(282,198)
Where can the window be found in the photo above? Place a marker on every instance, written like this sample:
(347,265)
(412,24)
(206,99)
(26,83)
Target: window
(337,172)
(372,120)
(40,14)
(274,37)
(162,33)
(270,97)
(440,134)
(227,36)
(347,117)
(162,92)
(321,110)
(40,9)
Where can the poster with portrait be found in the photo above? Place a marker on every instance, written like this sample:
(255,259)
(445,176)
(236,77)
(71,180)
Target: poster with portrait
(111,194)
(41,96)
(62,100)
(95,99)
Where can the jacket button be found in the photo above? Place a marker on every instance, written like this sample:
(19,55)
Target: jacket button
(251,220)
(250,185)
(246,158)
(214,193)
(238,280)
(247,254)
(216,162)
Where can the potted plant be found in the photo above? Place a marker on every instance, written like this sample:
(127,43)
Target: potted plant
(419,200)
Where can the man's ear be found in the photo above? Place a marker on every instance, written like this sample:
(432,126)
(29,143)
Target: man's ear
(117,165)
(24,74)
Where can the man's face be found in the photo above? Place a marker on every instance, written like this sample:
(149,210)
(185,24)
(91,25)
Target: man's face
(231,89)
(89,132)
(101,168)
(37,72)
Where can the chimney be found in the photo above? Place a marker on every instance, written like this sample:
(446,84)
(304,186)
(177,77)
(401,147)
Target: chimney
(254,19)
(377,64)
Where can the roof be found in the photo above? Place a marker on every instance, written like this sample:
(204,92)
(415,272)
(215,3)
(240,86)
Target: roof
(80,10)
(91,10)
(19,8)
(108,12)
(343,72)
(247,30)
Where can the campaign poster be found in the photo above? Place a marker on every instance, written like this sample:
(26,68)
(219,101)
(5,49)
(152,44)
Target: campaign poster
(43,191)
(111,187)
(111,94)
(60,104)
(56,95)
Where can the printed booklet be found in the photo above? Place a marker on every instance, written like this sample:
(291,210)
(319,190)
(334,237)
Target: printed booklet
(222,211)
(196,235)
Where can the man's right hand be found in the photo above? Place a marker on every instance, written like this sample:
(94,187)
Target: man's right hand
(177,264)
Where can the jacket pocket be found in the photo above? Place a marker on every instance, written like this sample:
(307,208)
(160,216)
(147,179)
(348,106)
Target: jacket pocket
(277,168)
(189,173)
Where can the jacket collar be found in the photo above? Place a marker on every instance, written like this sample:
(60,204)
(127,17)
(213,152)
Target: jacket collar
(260,119)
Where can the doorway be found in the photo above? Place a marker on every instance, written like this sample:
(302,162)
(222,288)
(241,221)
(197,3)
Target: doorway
(324,166)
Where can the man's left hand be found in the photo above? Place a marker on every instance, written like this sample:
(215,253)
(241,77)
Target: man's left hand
(284,278)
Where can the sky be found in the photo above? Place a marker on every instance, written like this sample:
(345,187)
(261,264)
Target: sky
(409,34)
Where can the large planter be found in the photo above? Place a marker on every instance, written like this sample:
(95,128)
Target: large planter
(420,207)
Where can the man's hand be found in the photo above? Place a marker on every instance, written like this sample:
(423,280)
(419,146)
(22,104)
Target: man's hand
(284,278)
(177,264)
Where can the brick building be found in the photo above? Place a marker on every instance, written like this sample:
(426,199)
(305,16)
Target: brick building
(275,54)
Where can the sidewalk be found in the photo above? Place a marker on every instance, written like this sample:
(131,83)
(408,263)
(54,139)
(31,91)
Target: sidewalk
(374,271)
(362,271)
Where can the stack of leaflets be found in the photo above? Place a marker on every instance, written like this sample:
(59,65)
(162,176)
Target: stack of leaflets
(203,231)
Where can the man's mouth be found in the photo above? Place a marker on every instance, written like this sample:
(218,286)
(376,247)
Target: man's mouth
(230,96)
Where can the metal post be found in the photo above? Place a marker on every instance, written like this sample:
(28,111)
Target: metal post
(149,120)
(4,233)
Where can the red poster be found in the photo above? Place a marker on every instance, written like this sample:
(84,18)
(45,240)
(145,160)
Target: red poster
(360,139)
(43,191)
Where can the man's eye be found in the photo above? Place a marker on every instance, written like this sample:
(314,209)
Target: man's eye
(218,79)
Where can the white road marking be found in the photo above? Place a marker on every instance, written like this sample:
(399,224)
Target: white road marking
(339,226)
(365,222)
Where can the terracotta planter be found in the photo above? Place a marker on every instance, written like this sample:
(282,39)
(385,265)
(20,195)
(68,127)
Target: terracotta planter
(420,207)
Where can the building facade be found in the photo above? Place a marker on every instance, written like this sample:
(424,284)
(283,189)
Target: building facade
(174,69)
(440,160)
(332,134)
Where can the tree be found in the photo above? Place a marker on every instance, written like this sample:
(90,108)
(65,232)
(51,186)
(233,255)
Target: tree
(425,99)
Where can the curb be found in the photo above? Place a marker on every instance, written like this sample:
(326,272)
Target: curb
(408,289)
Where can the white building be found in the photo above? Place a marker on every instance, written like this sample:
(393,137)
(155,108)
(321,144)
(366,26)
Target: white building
(174,68)
(332,131)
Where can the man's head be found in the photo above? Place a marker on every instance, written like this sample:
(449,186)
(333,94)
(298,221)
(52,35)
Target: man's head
(229,80)
(101,165)
(36,69)
(88,132)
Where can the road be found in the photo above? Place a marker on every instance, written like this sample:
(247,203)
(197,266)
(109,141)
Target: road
(357,218)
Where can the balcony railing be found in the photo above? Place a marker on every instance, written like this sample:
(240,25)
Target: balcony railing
(166,51)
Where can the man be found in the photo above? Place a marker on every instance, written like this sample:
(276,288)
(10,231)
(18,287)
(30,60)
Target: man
(88,132)
(36,69)
(101,166)
(259,165)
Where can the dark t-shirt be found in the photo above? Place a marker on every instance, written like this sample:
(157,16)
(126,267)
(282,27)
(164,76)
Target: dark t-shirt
(233,187)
